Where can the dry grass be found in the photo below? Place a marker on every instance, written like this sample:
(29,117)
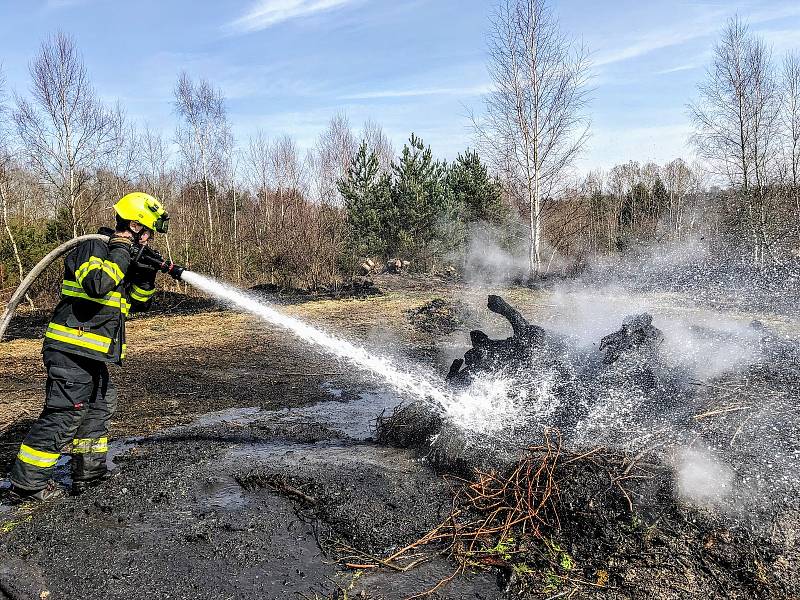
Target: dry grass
(174,338)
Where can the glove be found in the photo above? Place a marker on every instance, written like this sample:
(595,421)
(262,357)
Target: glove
(150,258)
(134,250)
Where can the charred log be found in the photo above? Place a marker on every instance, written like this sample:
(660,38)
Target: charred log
(637,334)
(563,386)
(488,355)
(524,331)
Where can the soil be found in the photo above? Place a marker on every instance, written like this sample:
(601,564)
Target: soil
(441,316)
(246,468)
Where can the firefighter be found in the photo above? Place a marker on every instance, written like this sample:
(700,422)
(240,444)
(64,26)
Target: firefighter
(103,283)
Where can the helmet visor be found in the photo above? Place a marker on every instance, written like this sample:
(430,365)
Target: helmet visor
(161,224)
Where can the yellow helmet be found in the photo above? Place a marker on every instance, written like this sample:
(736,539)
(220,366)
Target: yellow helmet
(145,209)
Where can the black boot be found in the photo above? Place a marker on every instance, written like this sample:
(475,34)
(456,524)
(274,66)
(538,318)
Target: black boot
(79,486)
(52,491)
(88,470)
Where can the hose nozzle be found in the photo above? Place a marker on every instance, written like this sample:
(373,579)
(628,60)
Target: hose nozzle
(153,259)
(173,270)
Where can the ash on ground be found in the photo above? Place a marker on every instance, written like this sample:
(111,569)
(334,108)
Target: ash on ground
(661,465)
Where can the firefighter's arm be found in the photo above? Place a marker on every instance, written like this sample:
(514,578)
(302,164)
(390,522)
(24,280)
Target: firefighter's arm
(101,269)
(142,281)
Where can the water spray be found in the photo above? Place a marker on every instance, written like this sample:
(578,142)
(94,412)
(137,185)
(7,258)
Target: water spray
(485,406)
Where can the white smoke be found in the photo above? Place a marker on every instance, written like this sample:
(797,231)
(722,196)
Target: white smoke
(709,346)
(492,257)
(702,479)
(703,343)
(650,261)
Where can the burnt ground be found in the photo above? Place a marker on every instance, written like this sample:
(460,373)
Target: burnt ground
(246,469)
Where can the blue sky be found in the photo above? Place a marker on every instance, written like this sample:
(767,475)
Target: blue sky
(287,66)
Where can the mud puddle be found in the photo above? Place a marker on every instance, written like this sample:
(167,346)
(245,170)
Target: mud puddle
(62,472)
(350,414)
(351,492)
(362,499)
(277,501)
(325,434)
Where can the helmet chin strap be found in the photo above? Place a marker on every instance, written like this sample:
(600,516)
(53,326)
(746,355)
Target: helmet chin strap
(137,240)
(137,235)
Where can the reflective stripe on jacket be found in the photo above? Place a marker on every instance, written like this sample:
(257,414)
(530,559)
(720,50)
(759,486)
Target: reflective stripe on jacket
(99,290)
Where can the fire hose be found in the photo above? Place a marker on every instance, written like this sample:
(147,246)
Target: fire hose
(146,256)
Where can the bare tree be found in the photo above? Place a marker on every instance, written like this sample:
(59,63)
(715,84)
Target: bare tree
(791,127)
(202,136)
(736,119)
(287,167)
(649,173)
(791,113)
(232,170)
(535,125)
(122,162)
(335,149)
(678,179)
(158,176)
(6,181)
(258,168)
(66,133)
(380,144)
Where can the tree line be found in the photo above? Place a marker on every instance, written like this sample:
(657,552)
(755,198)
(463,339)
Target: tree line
(262,210)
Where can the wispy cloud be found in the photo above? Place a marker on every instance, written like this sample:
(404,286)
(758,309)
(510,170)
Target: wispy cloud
(773,13)
(59,4)
(781,40)
(412,93)
(677,69)
(655,40)
(708,21)
(267,13)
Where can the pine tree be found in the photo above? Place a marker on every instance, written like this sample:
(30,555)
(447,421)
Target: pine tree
(473,189)
(660,199)
(427,215)
(370,214)
(631,212)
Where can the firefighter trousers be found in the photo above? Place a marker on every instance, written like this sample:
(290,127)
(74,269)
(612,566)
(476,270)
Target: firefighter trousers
(79,402)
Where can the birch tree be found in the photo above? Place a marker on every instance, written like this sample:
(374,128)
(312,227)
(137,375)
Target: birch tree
(535,123)
(66,132)
(678,178)
(736,125)
(202,136)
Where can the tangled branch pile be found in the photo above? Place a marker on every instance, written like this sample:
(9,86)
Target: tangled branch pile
(596,523)
(510,521)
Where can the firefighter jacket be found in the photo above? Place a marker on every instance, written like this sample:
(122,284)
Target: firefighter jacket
(100,288)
